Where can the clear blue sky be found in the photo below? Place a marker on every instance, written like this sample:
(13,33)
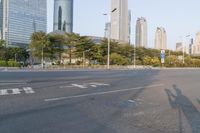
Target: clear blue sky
(178,17)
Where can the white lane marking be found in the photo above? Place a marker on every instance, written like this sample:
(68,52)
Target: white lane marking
(99,84)
(16,91)
(100,93)
(28,90)
(3,92)
(79,86)
(131,101)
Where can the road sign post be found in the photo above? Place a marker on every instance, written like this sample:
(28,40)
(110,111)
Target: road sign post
(162,56)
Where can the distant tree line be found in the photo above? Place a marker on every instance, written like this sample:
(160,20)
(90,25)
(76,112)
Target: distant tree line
(53,47)
(74,45)
(12,57)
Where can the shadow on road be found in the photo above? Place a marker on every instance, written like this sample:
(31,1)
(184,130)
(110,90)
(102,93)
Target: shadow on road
(184,106)
(198,100)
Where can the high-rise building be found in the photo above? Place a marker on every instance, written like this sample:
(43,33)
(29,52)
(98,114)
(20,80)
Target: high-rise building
(190,46)
(179,46)
(20,18)
(119,20)
(141,32)
(160,38)
(196,45)
(107,30)
(129,26)
(1,19)
(63,15)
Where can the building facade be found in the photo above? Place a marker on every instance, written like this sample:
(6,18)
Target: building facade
(141,32)
(1,19)
(161,38)
(63,15)
(120,20)
(179,46)
(196,45)
(107,30)
(190,45)
(20,18)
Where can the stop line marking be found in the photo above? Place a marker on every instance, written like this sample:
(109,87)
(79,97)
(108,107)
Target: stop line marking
(16,91)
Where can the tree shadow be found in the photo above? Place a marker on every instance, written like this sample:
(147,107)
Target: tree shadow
(184,106)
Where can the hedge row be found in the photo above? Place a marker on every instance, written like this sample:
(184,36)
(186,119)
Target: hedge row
(10,63)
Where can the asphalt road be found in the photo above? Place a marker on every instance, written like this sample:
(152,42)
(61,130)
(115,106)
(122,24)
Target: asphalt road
(118,101)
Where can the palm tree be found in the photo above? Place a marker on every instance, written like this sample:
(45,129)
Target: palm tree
(39,45)
(71,41)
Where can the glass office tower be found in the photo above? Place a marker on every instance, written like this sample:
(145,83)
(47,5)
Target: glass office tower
(63,15)
(21,18)
(1,18)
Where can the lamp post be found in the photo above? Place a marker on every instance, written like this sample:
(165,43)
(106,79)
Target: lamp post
(84,57)
(42,61)
(109,36)
(134,60)
(184,48)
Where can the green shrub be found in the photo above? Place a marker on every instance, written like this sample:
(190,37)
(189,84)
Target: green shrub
(3,63)
(12,63)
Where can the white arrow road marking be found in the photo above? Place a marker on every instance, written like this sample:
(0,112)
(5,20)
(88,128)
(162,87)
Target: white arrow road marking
(85,85)
(100,93)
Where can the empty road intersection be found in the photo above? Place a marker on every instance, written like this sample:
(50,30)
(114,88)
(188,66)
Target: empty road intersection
(97,101)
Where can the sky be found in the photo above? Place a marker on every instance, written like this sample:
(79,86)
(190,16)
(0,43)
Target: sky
(179,18)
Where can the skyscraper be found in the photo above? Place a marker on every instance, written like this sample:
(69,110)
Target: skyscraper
(107,30)
(160,38)
(179,46)
(141,32)
(196,45)
(63,15)
(1,18)
(120,20)
(20,18)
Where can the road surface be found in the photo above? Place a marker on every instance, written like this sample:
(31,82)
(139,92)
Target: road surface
(97,101)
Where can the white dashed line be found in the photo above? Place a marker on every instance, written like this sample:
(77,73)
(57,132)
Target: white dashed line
(100,93)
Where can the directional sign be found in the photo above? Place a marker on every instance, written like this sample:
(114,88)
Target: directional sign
(162,56)
(162,51)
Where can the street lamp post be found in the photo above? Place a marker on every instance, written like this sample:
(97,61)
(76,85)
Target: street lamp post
(109,38)
(184,49)
(84,57)
(15,57)
(42,61)
(134,60)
